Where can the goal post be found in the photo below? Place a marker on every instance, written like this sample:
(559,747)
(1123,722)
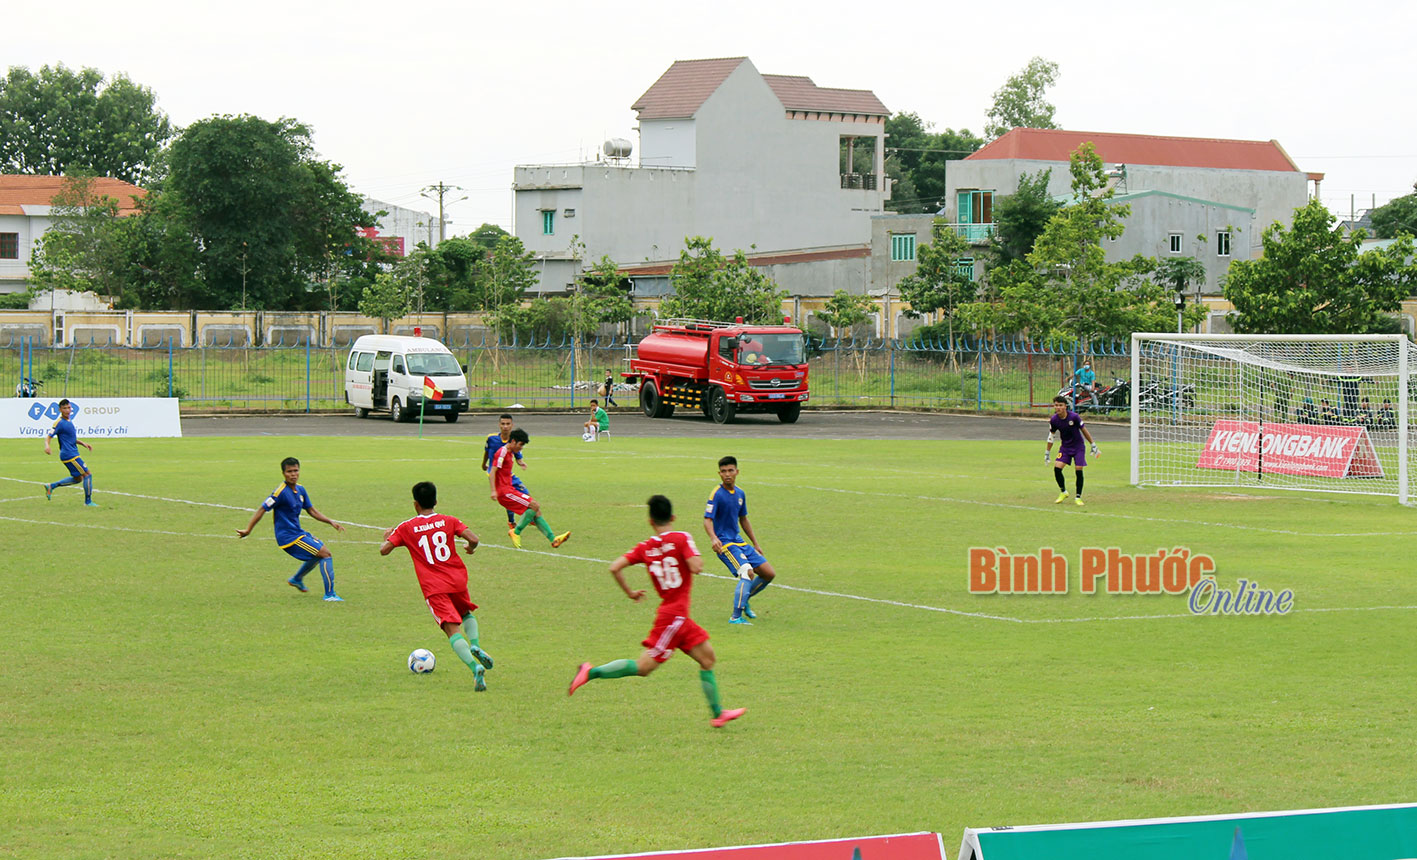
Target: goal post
(1319,413)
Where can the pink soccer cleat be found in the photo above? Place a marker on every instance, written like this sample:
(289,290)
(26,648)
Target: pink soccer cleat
(724,717)
(582,676)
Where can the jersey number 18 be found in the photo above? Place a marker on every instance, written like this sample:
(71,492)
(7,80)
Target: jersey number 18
(438,548)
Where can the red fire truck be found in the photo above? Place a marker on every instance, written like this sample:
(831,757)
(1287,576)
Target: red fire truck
(724,369)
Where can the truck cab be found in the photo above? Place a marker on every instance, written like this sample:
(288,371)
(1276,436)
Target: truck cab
(723,369)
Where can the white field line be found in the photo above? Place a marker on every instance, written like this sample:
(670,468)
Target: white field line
(1091,512)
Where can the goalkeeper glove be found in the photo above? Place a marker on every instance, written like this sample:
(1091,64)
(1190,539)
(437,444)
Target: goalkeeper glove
(1047,456)
(1094,449)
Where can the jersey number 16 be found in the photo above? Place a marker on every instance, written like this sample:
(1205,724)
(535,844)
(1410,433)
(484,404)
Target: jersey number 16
(666,572)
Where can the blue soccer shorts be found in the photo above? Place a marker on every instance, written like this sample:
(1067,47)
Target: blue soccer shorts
(76,466)
(735,555)
(304,548)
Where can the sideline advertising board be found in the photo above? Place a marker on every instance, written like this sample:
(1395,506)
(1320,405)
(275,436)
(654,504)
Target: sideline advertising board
(93,417)
(905,846)
(1352,833)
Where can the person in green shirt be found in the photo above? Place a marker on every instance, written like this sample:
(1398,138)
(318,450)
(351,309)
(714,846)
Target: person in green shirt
(599,422)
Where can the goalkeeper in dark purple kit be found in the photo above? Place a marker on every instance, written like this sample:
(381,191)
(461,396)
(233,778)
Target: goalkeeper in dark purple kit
(1066,426)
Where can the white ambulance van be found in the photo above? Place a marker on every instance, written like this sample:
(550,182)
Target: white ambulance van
(386,372)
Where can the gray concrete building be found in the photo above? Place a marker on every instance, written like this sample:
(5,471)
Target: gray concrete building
(1201,197)
(771,164)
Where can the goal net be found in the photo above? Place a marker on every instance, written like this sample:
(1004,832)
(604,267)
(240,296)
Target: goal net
(1323,413)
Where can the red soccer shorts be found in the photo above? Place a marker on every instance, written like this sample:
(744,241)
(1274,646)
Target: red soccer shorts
(450,607)
(671,632)
(514,501)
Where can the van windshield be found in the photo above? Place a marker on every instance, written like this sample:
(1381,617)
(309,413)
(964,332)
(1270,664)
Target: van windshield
(433,364)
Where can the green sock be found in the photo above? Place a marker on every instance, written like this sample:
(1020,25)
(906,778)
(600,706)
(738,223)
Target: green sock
(616,669)
(545,527)
(527,519)
(463,650)
(469,627)
(710,690)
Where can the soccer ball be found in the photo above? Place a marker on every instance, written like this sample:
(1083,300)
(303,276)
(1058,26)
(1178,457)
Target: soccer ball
(421,661)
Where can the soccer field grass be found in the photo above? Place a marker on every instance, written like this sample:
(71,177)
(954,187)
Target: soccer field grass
(164,693)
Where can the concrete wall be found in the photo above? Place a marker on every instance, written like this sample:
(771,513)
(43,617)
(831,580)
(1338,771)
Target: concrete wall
(667,143)
(1155,217)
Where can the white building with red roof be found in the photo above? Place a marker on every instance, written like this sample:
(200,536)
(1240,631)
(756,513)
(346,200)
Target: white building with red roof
(25,216)
(767,163)
(1200,197)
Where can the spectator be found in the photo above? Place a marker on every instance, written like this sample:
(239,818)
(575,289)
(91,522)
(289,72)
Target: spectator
(599,422)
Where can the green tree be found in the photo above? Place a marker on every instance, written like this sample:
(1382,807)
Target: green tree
(486,237)
(83,248)
(602,297)
(1020,218)
(1315,280)
(1019,103)
(508,272)
(1397,217)
(708,285)
(939,282)
(61,121)
(845,310)
(917,161)
(386,299)
(262,209)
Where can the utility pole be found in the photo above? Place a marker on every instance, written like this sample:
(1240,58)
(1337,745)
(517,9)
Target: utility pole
(442,190)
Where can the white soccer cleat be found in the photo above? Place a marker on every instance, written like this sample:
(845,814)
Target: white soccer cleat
(745,571)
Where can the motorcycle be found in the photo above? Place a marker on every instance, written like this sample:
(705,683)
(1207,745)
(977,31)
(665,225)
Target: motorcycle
(1102,398)
(28,387)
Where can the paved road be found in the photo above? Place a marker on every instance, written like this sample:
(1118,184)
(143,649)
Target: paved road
(813,425)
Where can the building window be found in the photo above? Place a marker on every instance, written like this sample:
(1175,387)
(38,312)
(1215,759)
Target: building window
(9,246)
(965,266)
(1175,243)
(975,211)
(902,247)
(1222,243)
(548,222)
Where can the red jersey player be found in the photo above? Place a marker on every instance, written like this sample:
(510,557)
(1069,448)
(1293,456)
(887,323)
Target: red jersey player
(441,574)
(514,500)
(673,561)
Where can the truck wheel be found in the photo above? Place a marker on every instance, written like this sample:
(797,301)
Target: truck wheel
(649,400)
(451,418)
(396,411)
(361,412)
(720,409)
(789,413)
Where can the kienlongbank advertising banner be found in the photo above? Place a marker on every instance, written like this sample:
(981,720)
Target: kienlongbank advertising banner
(906,846)
(93,417)
(1351,833)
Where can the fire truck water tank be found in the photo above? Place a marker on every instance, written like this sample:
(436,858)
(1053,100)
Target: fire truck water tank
(664,348)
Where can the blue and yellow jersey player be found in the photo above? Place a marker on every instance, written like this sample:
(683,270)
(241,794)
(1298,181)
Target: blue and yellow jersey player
(69,443)
(726,513)
(286,502)
(495,441)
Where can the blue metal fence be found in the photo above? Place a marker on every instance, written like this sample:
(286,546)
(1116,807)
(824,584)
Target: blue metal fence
(1006,375)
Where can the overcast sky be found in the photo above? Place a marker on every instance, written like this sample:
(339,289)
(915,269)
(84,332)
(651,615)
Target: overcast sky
(404,95)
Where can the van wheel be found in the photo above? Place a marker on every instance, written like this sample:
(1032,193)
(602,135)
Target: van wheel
(451,417)
(361,412)
(396,411)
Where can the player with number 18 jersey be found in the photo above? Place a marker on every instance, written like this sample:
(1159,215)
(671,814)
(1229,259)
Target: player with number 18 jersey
(441,573)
